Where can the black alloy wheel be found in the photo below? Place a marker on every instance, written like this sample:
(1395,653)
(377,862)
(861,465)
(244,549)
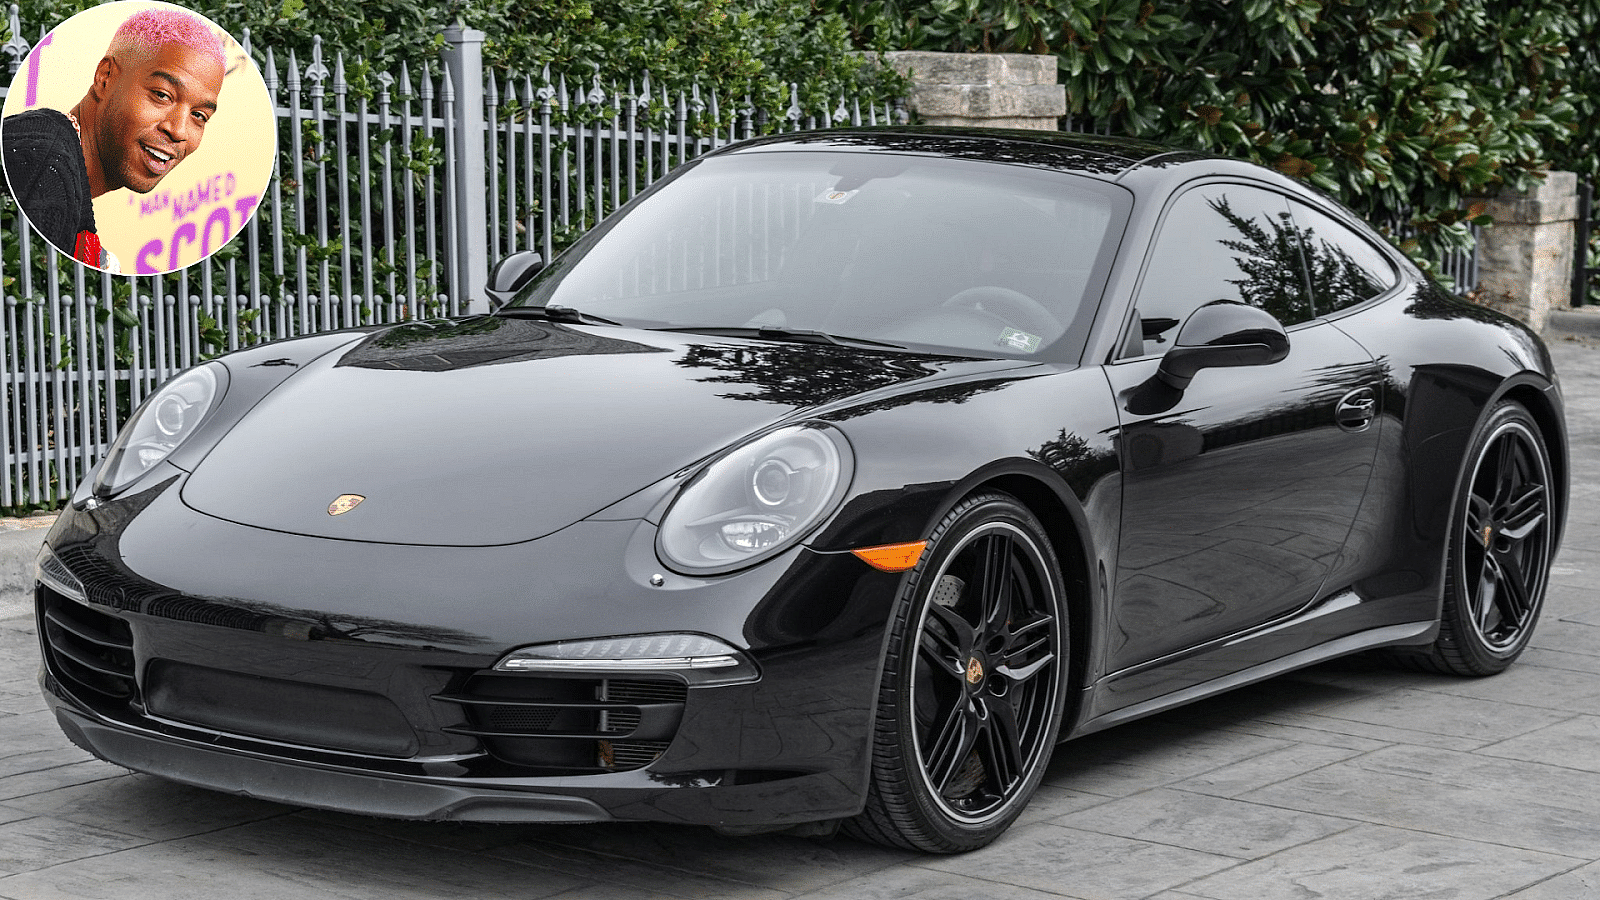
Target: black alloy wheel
(1501,547)
(974,682)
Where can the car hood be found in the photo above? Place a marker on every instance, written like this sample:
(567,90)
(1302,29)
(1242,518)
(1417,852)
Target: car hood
(490,430)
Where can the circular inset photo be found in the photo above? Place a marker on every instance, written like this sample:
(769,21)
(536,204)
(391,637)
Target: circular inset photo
(138,137)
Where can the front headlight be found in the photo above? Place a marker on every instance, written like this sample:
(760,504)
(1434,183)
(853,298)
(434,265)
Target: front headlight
(159,425)
(756,501)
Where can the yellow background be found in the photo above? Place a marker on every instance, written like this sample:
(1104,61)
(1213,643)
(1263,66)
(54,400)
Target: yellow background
(241,139)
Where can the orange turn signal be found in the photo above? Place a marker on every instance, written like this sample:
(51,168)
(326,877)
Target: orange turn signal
(892,557)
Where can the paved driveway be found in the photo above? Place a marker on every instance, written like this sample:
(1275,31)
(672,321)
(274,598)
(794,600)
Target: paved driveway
(1343,781)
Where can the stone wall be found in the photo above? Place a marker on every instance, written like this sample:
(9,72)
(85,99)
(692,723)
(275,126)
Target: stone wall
(985,90)
(1525,266)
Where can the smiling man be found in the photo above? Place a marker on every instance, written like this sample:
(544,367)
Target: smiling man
(145,111)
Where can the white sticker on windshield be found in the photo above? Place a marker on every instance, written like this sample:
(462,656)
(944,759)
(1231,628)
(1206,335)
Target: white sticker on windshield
(837,197)
(1018,340)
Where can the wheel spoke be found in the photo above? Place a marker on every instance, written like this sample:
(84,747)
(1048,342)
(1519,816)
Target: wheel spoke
(1488,588)
(1029,650)
(948,639)
(1513,599)
(1505,478)
(1003,745)
(957,736)
(1525,513)
(1479,513)
(996,584)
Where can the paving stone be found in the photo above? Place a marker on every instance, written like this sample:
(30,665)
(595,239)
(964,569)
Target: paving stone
(38,842)
(1573,744)
(1567,637)
(351,863)
(774,862)
(1209,824)
(1517,804)
(1268,768)
(149,807)
(56,769)
(193,870)
(1376,863)
(1082,864)
(1531,685)
(1556,659)
(29,733)
(1478,720)
(915,883)
(684,880)
(1147,754)
(1583,881)
(1051,801)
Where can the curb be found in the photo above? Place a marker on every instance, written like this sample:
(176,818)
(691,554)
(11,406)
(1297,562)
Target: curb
(20,540)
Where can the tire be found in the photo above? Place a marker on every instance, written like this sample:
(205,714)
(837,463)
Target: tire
(974,683)
(1501,544)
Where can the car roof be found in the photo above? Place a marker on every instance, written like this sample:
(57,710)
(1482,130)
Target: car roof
(1098,156)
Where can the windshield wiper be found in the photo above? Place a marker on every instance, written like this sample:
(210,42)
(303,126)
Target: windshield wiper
(771,333)
(553,314)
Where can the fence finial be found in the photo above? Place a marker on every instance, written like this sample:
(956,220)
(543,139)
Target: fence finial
(17,46)
(316,73)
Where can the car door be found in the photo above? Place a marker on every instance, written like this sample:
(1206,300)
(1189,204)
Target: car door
(1240,490)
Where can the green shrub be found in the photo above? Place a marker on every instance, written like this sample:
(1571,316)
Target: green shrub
(1394,106)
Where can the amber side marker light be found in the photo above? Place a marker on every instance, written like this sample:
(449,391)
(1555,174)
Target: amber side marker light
(892,557)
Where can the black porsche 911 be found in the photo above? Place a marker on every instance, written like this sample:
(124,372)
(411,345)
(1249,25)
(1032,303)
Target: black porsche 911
(836,479)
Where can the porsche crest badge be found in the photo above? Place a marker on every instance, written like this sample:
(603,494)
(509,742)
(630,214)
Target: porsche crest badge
(344,503)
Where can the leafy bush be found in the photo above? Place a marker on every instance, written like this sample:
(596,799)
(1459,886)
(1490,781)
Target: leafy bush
(1395,106)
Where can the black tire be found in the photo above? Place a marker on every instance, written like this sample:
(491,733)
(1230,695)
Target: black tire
(1501,544)
(973,685)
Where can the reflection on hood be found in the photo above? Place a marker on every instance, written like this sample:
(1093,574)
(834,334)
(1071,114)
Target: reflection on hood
(440,345)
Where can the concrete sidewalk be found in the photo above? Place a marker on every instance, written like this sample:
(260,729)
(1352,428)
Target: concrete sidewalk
(1348,781)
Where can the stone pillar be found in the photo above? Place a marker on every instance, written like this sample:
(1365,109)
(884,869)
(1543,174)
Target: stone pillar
(1525,258)
(986,90)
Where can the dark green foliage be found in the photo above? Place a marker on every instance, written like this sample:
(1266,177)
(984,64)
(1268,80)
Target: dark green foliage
(1391,105)
(740,47)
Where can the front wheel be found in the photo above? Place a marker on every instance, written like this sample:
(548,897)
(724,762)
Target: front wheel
(1501,544)
(973,685)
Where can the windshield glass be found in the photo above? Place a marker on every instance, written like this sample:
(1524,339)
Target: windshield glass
(930,253)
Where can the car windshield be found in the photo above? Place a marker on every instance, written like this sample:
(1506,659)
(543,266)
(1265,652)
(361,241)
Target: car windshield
(931,253)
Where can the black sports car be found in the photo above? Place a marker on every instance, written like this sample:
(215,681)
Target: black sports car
(837,478)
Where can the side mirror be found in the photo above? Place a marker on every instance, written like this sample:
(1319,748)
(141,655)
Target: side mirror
(512,274)
(1223,333)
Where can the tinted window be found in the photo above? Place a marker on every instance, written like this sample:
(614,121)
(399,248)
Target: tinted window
(915,251)
(1223,242)
(1344,268)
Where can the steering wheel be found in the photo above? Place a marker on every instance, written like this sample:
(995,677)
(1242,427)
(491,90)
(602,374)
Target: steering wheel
(1008,307)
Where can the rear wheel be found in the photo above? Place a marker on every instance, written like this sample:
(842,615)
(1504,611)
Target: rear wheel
(1501,544)
(973,685)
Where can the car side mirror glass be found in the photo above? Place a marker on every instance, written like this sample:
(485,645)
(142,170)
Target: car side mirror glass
(1223,333)
(512,274)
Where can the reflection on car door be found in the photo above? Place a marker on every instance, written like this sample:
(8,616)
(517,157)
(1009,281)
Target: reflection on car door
(1237,499)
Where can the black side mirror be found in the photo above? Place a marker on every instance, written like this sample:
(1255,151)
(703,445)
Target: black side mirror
(1223,333)
(512,274)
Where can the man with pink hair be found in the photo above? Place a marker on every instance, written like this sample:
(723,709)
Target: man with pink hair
(145,111)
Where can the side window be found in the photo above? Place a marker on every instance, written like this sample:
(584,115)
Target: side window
(1222,242)
(1344,268)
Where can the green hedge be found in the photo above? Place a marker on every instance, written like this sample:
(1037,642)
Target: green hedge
(1393,105)
(742,48)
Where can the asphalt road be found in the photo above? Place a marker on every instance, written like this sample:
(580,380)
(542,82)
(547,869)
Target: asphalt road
(1347,781)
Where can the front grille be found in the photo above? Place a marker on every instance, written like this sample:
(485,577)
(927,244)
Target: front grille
(90,652)
(574,725)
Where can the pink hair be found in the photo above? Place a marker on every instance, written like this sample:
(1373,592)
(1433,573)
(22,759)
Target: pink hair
(146,32)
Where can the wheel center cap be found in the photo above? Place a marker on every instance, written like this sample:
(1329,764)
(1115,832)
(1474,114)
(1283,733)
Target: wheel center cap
(974,671)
